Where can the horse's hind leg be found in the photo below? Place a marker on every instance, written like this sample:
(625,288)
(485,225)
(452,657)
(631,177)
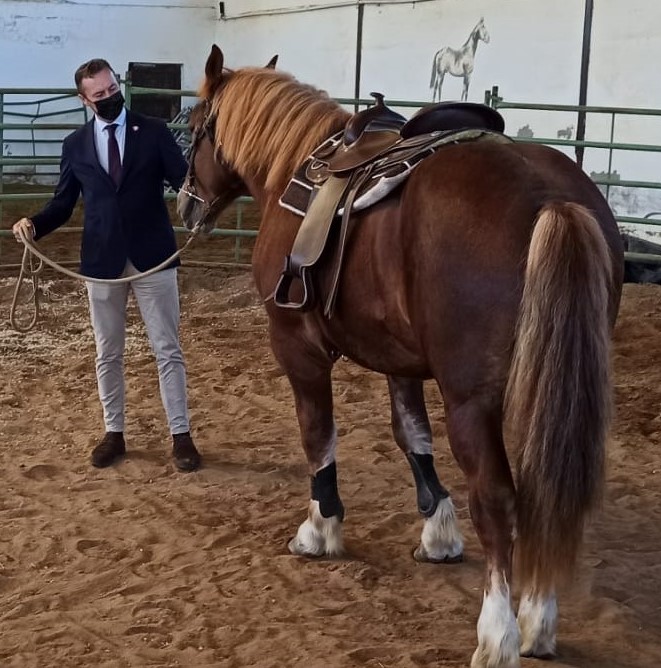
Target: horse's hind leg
(310,379)
(475,434)
(441,540)
(439,84)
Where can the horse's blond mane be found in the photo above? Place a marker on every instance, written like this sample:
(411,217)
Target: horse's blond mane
(268,123)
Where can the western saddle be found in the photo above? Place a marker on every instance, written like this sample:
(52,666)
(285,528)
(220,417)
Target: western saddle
(357,167)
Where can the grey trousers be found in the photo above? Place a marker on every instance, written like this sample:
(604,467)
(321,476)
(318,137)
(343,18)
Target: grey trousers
(157,297)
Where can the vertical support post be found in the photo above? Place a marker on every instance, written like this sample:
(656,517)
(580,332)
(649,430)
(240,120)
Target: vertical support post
(127,90)
(610,156)
(491,97)
(583,90)
(359,54)
(2,154)
(239,226)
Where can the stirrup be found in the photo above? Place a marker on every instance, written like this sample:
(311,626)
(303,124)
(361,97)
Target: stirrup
(281,294)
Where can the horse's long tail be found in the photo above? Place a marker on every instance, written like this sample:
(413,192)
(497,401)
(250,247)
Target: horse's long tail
(558,394)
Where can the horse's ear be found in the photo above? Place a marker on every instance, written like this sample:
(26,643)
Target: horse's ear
(214,67)
(271,64)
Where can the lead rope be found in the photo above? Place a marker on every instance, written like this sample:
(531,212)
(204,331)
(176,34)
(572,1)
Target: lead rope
(30,270)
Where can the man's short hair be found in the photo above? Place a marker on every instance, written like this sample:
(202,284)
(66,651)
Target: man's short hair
(91,68)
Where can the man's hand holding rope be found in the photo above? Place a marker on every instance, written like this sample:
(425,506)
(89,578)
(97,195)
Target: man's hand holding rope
(23,227)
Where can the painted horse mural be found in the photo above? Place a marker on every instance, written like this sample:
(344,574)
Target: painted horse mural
(457,62)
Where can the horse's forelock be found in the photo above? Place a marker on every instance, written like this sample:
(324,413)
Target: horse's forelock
(269,122)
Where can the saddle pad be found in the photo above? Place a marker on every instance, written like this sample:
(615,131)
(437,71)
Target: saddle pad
(387,171)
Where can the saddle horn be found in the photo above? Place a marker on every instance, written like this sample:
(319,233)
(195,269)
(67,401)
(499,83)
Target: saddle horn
(376,117)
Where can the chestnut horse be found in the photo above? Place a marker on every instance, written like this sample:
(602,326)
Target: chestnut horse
(494,270)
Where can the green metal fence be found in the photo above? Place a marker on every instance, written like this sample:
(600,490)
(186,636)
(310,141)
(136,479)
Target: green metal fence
(31,115)
(28,112)
(494,99)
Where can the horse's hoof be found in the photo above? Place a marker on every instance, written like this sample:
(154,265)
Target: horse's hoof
(422,556)
(544,656)
(480,659)
(539,649)
(296,547)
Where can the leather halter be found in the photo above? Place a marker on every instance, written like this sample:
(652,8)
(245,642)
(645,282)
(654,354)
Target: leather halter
(206,129)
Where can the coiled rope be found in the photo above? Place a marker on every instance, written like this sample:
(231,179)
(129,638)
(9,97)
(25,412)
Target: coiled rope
(32,265)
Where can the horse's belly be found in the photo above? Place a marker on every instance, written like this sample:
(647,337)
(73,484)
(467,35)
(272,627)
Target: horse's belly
(374,345)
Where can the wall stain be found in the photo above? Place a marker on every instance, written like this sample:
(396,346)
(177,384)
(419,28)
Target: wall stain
(50,40)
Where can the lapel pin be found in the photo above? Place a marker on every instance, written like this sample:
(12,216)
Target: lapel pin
(134,128)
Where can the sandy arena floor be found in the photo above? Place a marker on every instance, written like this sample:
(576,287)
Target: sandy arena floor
(139,565)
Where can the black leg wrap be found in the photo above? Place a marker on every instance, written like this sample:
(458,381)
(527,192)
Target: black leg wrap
(323,488)
(428,488)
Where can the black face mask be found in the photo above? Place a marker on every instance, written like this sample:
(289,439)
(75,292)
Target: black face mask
(110,107)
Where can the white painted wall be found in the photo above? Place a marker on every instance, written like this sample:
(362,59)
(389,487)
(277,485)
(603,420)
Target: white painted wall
(400,38)
(317,46)
(533,54)
(42,42)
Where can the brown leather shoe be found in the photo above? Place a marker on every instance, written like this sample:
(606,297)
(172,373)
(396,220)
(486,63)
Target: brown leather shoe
(185,454)
(110,448)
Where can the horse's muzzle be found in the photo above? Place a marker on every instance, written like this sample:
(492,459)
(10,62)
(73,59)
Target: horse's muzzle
(190,208)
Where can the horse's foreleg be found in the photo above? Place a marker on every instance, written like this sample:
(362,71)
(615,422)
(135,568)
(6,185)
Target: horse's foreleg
(475,433)
(321,533)
(441,540)
(310,379)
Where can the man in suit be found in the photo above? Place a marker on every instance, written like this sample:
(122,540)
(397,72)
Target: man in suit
(118,162)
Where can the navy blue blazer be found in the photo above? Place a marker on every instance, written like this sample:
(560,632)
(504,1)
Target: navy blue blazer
(128,222)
